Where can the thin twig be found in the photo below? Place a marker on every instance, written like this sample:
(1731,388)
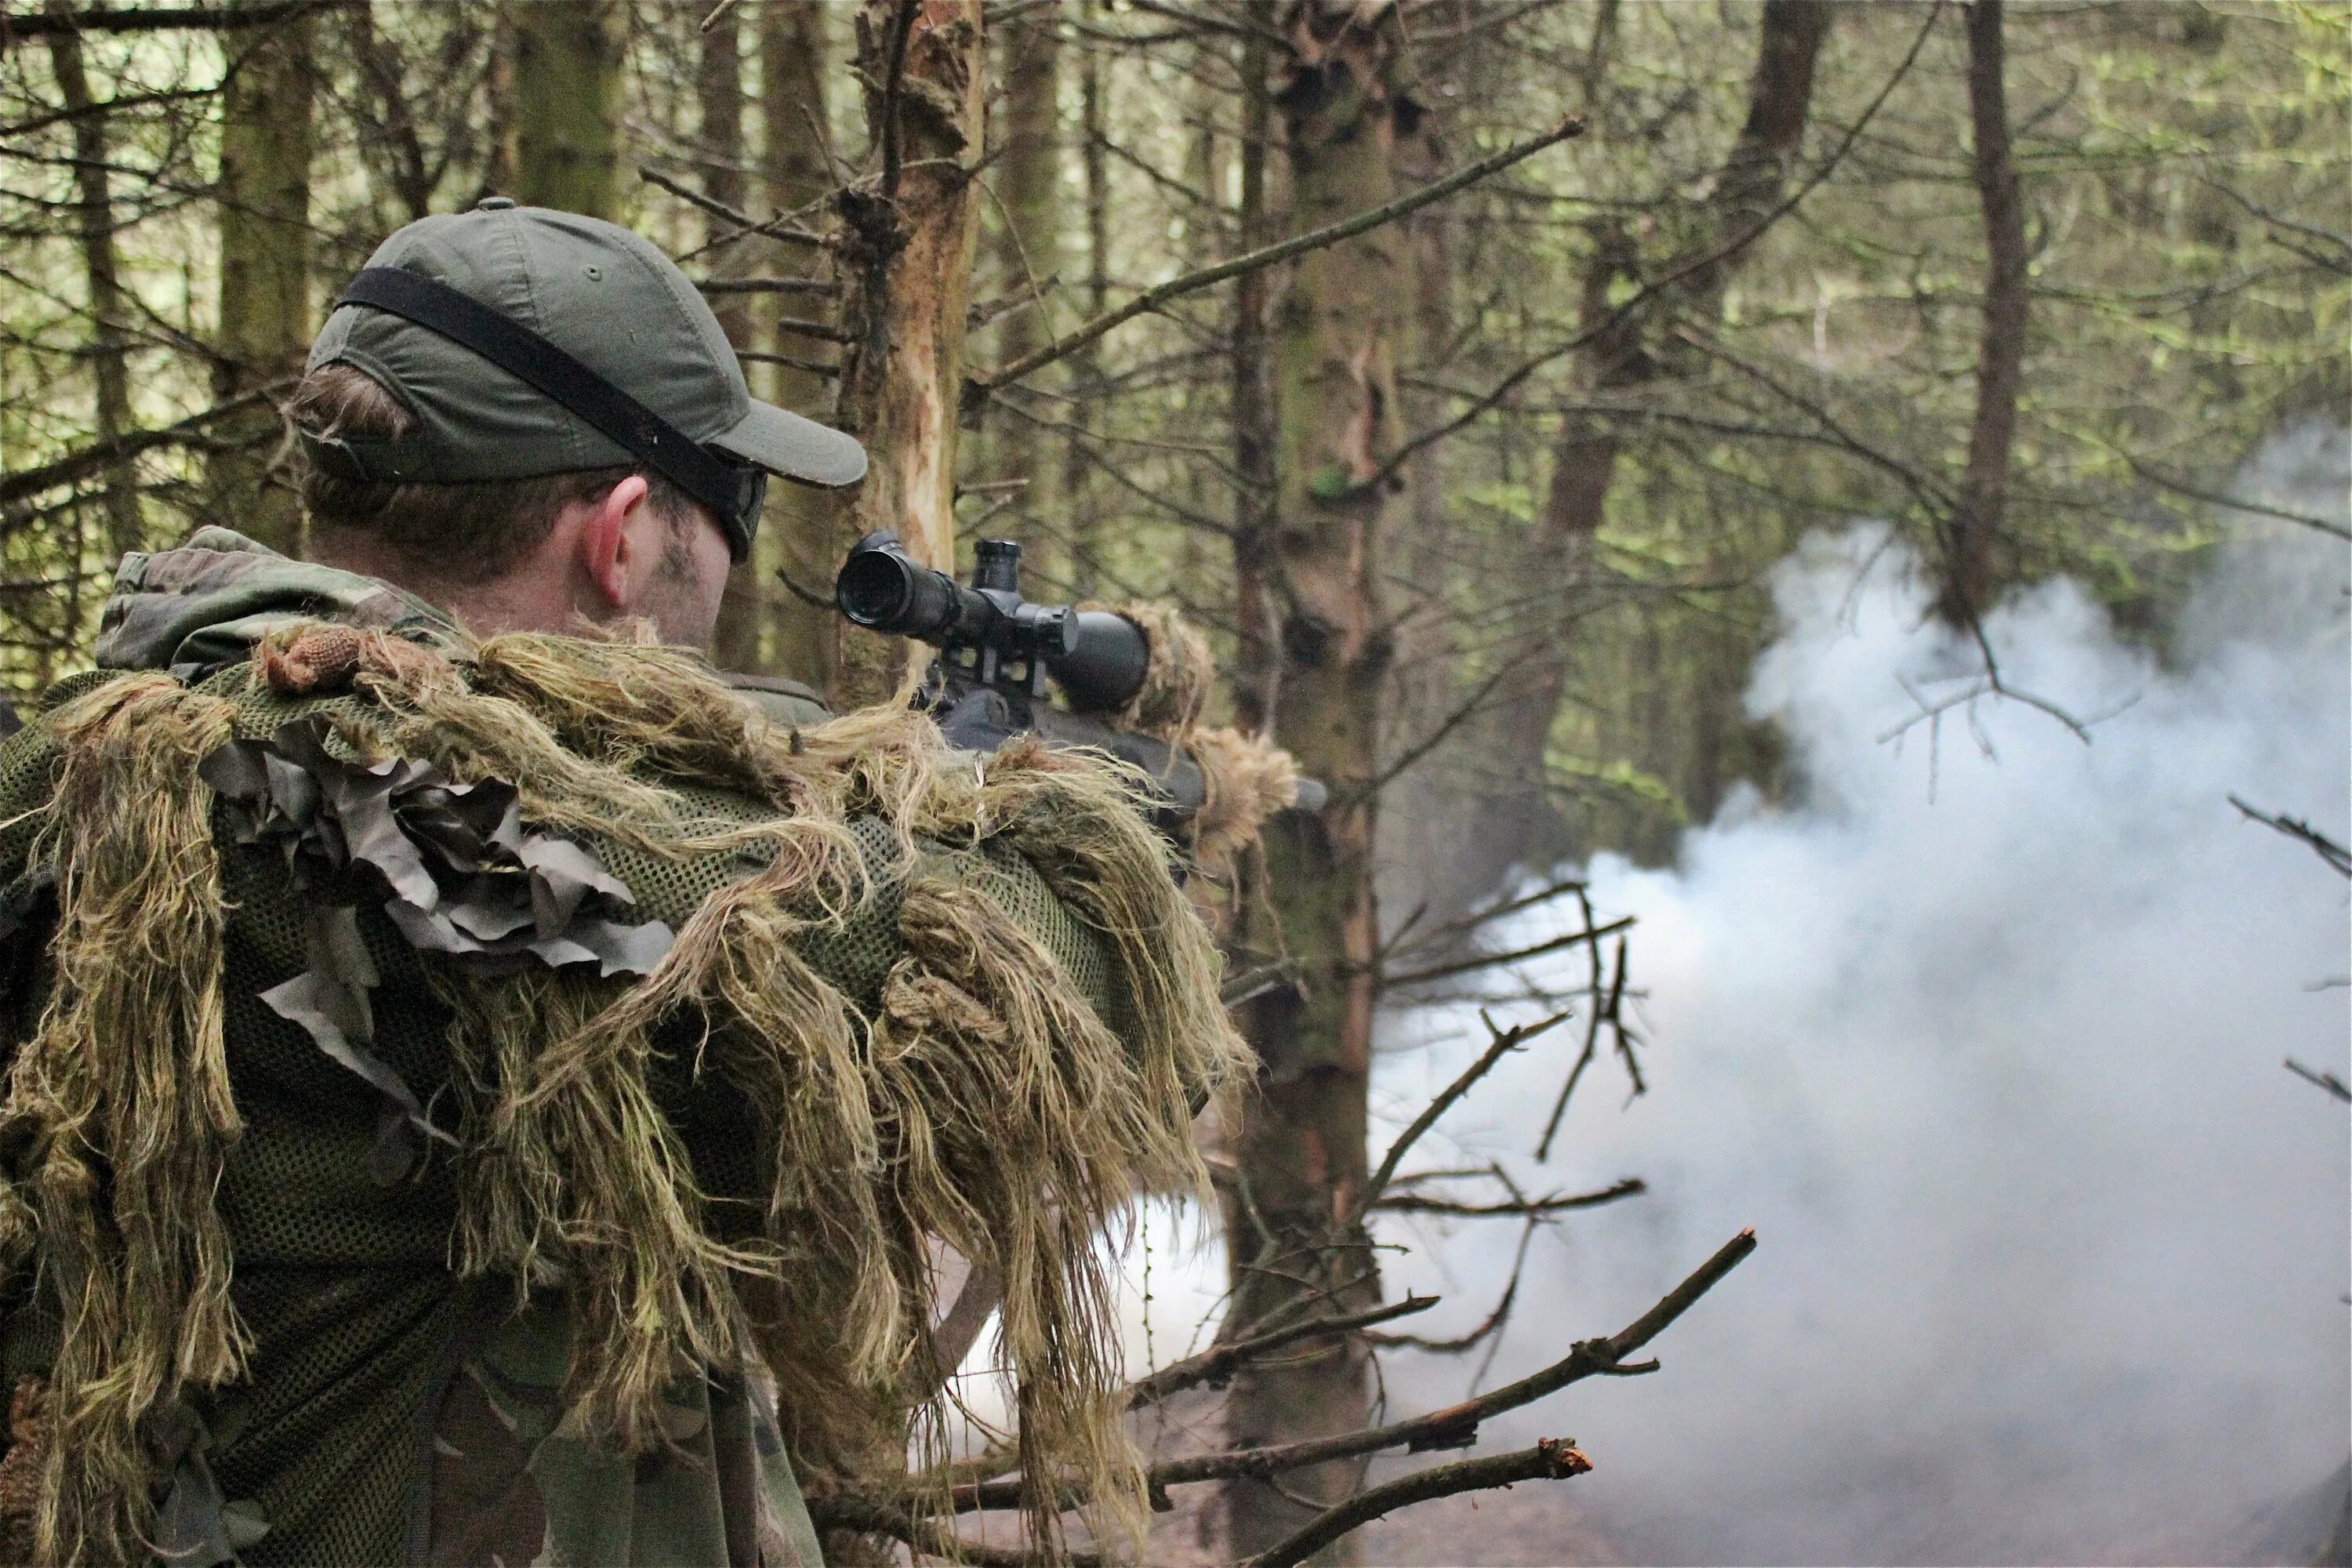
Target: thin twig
(1457,1426)
(1556,1203)
(1502,1043)
(767,286)
(1219,1363)
(1493,1322)
(793,362)
(1160,294)
(156,18)
(2326,1081)
(1489,961)
(89,459)
(2327,849)
(1552,1458)
(773,228)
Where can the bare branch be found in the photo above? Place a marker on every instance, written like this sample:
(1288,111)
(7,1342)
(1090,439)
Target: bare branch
(1219,1363)
(929,1536)
(773,229)
(2326,1081)
(981,383)
(155,18)
(1489,961)
(767,286)
(814,367)
(1503,1042)
(2337,855)
(86,460)
(1602,1011)
(1555,1203)
(1457,1426)
(1692,266)
(1552,1458)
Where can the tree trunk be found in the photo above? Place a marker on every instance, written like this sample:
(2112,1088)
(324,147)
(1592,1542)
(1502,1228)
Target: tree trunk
(1427,829)
(1621,359)
(568,103)
(94,221)
(737,643)
(500,134)
(796,539)
(906,262)
(1252,388)
(1085,365)
(1301,1152)
(265,285)
(1029,260)
(2000,352)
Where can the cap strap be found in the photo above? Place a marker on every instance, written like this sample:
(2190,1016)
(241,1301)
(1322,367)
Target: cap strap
(731,490)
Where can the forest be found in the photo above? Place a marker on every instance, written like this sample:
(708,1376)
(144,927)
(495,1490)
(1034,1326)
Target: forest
(1782,528)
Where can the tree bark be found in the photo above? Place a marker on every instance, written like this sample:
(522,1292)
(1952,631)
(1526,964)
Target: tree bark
(1301,1152)
(906,262)
(94,224)
(1028,259)
(265,275)
(2001,349)
(1086,364)
(737,642)
(500,134)
(1250,389)
(568,103)
(796,537)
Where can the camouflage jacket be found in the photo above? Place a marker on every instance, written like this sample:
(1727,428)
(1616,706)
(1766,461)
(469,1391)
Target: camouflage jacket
(393,1413)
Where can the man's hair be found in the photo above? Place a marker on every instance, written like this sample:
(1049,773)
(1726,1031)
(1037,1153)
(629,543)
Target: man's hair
(443,533)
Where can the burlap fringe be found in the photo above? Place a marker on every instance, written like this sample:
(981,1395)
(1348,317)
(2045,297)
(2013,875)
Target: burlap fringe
(986,1103)
(123,1099)
(1247,779)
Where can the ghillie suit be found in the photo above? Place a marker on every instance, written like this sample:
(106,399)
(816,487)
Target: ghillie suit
(448,1082)
(1246,778)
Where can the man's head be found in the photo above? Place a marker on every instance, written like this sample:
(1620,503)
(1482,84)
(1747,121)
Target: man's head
(529,417)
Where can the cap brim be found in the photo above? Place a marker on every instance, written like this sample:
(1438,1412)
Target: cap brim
(783,443)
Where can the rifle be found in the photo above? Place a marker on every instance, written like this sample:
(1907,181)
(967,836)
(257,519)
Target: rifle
(997,651)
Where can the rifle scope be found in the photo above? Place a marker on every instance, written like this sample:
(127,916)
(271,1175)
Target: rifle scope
(1098,658)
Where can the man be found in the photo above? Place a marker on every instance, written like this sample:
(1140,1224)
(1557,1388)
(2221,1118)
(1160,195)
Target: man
(460,1069)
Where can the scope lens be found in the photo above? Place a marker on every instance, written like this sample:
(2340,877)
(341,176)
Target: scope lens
(873,589)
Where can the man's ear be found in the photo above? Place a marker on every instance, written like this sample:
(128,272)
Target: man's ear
(614,561)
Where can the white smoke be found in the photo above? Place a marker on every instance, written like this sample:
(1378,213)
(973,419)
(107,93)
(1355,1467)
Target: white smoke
(1982,1034)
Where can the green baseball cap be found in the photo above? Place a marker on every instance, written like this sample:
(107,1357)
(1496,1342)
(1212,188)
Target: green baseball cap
(529,341)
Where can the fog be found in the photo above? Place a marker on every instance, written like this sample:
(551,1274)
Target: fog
(1982,1034)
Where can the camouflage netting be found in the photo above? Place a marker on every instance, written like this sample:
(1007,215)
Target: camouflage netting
(912,1061)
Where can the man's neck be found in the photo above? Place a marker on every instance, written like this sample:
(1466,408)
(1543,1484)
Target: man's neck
(521,601)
